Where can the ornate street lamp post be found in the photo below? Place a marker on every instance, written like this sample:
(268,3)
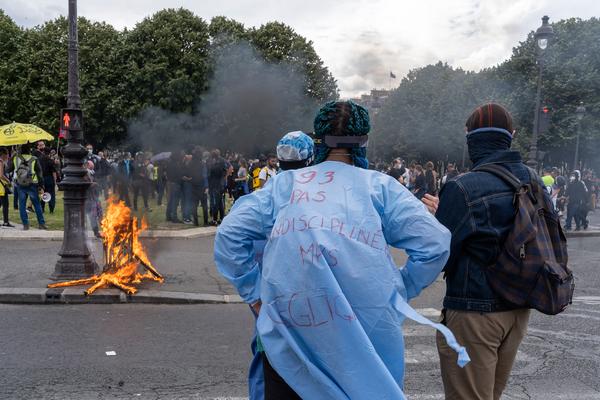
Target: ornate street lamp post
(580,111)
(76,260)
(543,35)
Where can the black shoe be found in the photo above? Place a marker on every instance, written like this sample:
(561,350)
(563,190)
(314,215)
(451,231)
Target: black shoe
(43,227)
(8,225)
(25,227)
(177,221)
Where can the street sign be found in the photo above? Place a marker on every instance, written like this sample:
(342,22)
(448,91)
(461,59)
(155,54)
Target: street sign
(71,119)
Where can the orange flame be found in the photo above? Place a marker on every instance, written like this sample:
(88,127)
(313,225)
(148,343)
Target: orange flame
(123,253)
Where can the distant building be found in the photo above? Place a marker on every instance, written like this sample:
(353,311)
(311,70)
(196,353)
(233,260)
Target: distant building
(373,101)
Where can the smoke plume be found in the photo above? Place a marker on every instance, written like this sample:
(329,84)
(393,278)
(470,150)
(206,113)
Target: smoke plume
(250,104)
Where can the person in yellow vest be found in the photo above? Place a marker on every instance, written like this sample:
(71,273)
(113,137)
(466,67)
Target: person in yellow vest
(255,172)
(268,171)
(29,181)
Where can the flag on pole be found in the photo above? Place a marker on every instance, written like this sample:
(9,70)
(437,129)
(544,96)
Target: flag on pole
(392,76)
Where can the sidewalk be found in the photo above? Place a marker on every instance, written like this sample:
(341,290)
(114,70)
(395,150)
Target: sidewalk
(187,265)
(27,260)
(593,229)
(17,233)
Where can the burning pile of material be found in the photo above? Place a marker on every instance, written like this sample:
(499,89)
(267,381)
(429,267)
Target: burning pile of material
(123,253)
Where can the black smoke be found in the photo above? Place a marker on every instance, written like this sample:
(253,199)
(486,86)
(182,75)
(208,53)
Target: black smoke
(250,104)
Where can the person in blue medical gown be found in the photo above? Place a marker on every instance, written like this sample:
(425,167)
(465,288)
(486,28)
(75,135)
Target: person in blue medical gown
(331,301)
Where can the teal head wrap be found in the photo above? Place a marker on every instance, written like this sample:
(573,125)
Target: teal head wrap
(342,118)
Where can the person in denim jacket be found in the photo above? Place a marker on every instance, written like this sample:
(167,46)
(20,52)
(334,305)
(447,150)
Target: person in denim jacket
(478,209)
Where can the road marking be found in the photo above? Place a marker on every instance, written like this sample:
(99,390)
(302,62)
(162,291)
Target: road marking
(429,312)
(581,316)
(589,300)
(111,353)
(223,398)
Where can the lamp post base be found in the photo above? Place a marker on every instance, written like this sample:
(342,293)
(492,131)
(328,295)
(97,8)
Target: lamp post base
(76,260)
(78,267)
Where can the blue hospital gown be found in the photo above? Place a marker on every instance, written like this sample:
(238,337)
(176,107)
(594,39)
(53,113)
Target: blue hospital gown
(333,299)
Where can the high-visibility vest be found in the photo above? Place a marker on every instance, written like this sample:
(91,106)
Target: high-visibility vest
(155,173)
(255,180)
(27,157)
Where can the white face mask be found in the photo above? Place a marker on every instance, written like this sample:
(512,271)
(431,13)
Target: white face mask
(572,179)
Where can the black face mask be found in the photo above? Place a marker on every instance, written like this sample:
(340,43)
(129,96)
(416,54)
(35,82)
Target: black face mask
(484,142)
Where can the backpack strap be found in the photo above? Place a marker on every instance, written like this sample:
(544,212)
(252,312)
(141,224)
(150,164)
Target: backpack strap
(501,173)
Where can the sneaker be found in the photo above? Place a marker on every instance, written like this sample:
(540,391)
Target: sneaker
(177,221)
(8,225)
(25,227)
(187,221)
(43,227)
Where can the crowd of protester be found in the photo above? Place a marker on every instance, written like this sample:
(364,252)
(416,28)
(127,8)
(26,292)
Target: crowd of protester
(573,197)
(193,178)
(345,254)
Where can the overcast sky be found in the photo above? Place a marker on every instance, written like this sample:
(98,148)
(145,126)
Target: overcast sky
(361,41)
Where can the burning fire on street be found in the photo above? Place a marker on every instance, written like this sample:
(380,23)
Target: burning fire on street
(124,254)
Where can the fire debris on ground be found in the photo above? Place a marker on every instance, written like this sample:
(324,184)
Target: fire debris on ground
(123,253)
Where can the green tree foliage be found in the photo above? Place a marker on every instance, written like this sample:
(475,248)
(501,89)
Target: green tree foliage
(167,62)
(40,85)
(571,75)
(10,37)
(40,77)
(424,117)
(279,43)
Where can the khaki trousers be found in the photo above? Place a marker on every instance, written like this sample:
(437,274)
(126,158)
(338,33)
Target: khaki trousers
(492,341)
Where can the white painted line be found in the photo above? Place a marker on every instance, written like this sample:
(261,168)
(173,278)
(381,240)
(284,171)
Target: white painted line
(111,353)
(589,300)
(223,398)
(429,312)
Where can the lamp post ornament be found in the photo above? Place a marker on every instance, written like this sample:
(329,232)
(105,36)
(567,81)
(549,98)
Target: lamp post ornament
(543,36)
(76,260)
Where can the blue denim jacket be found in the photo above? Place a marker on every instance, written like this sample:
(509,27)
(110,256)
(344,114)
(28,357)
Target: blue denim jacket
(478,210)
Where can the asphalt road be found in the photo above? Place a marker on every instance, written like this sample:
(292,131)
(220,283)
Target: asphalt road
(202,352)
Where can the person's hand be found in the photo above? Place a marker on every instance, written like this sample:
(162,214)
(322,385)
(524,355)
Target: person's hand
(256,307)
(431,202)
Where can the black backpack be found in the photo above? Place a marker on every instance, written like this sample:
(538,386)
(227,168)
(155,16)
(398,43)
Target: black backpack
(531,270)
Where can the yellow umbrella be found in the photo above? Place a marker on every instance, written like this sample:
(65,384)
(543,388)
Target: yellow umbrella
(15,133)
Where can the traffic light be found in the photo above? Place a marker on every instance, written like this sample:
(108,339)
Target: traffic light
(71,119)
(545,115)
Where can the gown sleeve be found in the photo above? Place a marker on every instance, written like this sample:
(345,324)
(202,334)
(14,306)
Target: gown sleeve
(249,220)
(408,225)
